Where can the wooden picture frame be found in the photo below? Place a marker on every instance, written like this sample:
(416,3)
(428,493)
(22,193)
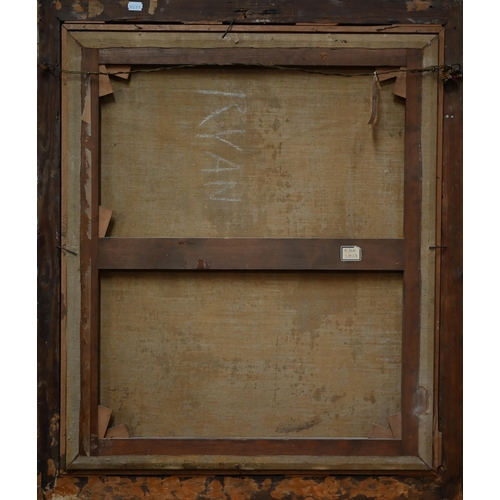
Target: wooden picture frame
(85,50)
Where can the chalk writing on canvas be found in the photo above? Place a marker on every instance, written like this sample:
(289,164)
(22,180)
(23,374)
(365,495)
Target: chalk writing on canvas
(222,189)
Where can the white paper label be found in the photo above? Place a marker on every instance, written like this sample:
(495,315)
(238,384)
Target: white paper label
(352,253)
(135,6)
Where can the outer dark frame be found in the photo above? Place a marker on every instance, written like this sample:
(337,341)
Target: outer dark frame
(447,483)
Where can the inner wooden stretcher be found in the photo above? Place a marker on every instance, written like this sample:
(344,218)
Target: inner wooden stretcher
(251,153)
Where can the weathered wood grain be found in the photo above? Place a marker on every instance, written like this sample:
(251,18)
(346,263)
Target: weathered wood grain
(412,274)
(428,318)
(70,234)
(250,447)
(205,37)
(261,11)
(259,464)
(317,486)
(89,233)
(451,335)
(266,57)
(255,28)
(48,253)
(247,254)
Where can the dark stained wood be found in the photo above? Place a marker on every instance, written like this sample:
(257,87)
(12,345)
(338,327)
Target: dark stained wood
(437,438)
(247,254)
(262,11)
(250,447)
(267,57)
(411,277)
(94,251)
(48,239)
(89,249)
(451,333)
